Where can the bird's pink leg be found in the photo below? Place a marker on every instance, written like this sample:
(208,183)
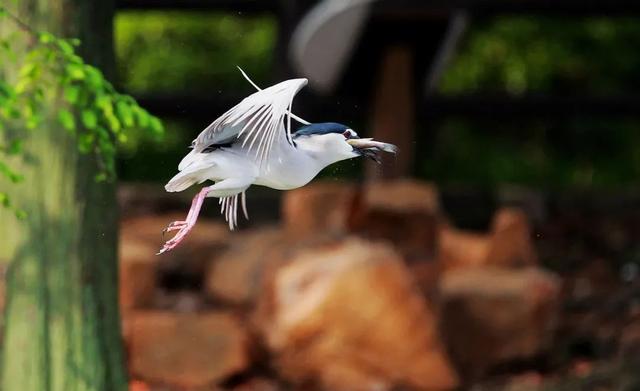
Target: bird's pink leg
(184,227)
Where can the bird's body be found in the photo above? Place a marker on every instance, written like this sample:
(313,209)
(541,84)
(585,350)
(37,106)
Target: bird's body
(252,144)
(292,168)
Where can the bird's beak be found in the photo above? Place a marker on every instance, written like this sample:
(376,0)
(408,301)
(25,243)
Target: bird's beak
(369,148)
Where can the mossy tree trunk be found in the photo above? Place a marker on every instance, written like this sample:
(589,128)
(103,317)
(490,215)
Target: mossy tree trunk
(61,325)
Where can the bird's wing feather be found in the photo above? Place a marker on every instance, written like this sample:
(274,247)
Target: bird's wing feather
(257,121)
(302,121)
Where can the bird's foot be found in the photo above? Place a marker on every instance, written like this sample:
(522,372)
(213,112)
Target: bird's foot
(183,228)
(176,225)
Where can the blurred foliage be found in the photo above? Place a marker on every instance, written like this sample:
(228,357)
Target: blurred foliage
(191,51)
(521,54)
(49,71)
(142,158)
(584,153)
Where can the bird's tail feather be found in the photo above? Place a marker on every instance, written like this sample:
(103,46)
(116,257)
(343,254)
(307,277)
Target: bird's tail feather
(181,181)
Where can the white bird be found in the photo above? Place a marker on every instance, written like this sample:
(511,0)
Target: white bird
(252,144)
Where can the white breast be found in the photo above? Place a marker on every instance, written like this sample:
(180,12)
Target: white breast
(288,168)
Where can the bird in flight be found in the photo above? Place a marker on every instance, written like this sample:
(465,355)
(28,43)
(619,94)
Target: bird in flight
(252,144)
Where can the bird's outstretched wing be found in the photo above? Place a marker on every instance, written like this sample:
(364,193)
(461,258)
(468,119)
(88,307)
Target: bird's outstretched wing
(258,121)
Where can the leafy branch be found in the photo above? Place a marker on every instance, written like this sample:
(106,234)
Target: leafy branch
(50,71)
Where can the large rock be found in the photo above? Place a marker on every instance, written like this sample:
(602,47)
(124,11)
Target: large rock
(404,212)
(493,315)
(511,239)
(459,249)
(186,350)
(508,244)
(236,276)
(318,207)
(348,316)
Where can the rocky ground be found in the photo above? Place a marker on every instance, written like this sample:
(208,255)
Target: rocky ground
(377,288)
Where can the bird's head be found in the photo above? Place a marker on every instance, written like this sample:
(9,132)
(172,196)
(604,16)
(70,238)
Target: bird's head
(334,142)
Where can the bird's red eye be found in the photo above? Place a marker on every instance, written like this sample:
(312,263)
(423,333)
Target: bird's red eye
(348,133)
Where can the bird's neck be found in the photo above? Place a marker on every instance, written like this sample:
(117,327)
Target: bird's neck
(320,154)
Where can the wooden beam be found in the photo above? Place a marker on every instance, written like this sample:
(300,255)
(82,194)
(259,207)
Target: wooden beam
(564,8)
(538,106)
(238,6)
(394,111)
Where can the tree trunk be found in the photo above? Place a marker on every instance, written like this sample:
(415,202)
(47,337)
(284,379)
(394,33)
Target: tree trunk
(62,327)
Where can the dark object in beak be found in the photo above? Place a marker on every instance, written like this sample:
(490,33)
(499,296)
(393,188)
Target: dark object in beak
(369,148)
(370,153)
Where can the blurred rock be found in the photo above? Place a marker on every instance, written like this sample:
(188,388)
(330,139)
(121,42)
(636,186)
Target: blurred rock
(426,274)
(404,212)
(318,207)
(629,348)
(458,249)
(493,315)
(137,273)
(186,350)
(511,244)
(596,279)
(258,384)
(348,316)
(236,276)
(508,244)
(137,385)
(529,381)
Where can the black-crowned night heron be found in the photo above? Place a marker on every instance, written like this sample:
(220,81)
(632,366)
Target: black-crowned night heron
(252,144)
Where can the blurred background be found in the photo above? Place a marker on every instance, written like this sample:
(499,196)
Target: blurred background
(500,249)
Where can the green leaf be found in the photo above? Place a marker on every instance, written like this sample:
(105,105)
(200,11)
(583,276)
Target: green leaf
(46,38)
(101,177)
(103,101)
(28,69)
(71,94)
(7,172)
(4,200)
(5,45)
(94,77)
(142,116)
(6,90)
(156,125)
(65,46)
(125,114)
(32,122)
(75,71)
(89,119)
(21,86)
(15,147)
(10,112)
(75,59)
(21,214)
(16,178)
(85,142)
(66,119)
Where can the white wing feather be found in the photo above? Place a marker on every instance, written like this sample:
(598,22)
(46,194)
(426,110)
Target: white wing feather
(258,120)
